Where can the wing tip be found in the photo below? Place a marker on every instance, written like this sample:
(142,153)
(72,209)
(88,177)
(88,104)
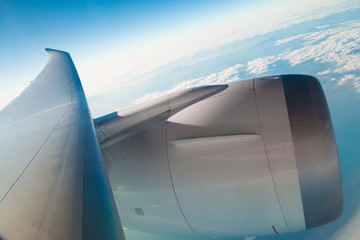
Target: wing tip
(51,50)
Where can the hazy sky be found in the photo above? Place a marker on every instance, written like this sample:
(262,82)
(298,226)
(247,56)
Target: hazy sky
(113,42)
(95,33)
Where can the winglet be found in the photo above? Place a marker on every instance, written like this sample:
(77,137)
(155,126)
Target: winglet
(51,50)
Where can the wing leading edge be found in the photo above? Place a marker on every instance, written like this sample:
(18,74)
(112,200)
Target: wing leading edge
(53,182)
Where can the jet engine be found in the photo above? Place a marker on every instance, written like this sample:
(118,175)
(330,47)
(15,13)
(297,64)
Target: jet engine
(249,158)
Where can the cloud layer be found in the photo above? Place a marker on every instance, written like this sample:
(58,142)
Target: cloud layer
(336,46)
(118,70)
(227,75)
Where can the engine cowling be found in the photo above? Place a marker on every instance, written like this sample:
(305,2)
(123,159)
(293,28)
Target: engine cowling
(254,157)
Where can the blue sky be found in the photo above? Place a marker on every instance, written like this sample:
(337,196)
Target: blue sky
(92,31)
(67,24)
(114,43)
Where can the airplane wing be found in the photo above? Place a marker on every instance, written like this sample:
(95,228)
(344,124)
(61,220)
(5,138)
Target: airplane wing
(53,182)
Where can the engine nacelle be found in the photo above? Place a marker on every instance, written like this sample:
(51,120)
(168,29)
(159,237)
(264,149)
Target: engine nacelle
(254,157)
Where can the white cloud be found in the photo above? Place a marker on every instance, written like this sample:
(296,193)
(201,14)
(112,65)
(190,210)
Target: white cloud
(227,75)
(324,72)
(323,26)
(345,78)
(281,15)
(289,39)
(349,79)
(260,65)
(249,238)
(338,46)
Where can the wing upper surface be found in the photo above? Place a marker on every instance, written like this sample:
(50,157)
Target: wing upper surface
(53,183)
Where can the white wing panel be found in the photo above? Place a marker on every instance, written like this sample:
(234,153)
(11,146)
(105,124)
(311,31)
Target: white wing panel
(53,182)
